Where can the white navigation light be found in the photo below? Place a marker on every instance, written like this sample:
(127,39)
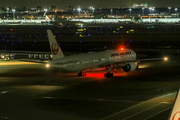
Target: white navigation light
(47,65)
(165,58)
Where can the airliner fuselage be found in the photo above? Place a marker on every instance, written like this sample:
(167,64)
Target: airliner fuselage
(81,62)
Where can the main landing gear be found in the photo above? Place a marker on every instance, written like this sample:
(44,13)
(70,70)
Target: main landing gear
(109,74)
(82,73)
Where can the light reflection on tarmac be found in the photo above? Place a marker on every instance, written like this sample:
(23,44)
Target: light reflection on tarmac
(145,109)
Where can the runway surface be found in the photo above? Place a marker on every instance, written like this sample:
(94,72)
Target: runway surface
(146,109)
(29,91)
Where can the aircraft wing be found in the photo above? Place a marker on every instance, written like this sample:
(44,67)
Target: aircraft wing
(151,59)
(25,54)
(123,63)
(35,61)
(21,52)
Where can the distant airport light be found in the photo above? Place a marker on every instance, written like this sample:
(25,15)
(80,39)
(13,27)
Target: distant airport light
(176,9)
(169,9)
(79,9)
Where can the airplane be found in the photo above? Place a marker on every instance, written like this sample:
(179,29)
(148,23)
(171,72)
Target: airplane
(47,20)
(175,113)
(64,23)
(10,22)
(80,63)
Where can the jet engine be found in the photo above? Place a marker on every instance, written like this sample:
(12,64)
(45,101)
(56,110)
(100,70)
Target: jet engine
(130,66)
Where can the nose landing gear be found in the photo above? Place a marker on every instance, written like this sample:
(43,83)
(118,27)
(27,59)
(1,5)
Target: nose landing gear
(109,74)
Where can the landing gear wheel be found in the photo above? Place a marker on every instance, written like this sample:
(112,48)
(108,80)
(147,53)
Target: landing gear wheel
(108,75)
(81,73)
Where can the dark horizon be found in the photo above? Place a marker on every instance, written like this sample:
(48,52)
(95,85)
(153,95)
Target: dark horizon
(95,3)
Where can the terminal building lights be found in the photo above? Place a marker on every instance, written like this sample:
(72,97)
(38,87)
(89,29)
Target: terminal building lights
(143,5)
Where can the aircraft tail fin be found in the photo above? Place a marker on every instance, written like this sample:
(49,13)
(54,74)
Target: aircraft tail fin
(47,19)
(175,113)
(54,46)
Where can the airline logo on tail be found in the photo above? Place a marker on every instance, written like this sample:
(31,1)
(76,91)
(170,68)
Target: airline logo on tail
(176,116)
(54,48)
(47,19)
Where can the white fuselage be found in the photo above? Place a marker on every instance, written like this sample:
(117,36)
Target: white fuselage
(81,62)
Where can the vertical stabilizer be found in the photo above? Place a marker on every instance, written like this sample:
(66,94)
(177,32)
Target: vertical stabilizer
(47,19)
(55,49)
(175,114)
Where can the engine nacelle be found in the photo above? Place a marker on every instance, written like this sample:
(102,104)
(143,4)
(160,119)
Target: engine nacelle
(130,67)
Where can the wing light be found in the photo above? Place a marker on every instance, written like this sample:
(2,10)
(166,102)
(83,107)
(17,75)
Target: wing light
(165,58)
(47,65)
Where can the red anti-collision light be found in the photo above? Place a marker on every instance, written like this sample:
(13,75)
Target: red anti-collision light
(121,48)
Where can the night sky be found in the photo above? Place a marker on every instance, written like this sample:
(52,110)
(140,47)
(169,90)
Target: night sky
(86,3)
